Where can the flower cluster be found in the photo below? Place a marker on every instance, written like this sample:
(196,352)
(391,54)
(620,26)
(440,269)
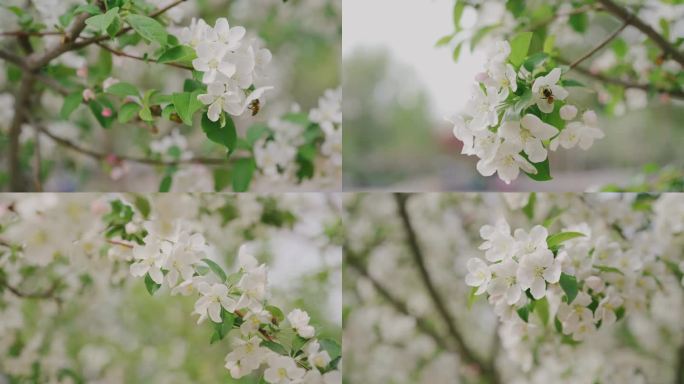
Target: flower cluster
(174,256)
(582,282)
(509,122)
(231,66)
(298,146)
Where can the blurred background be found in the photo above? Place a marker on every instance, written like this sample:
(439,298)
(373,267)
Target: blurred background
(400,89)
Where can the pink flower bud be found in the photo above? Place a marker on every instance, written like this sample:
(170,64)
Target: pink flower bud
(82,72)
(88,94)
(568,112)
(111,159)
(481,77)
(107,112)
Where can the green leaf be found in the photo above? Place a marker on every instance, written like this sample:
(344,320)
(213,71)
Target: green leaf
(101,22)
(143,205)
(332,347)
(606,268)
(528,209)
(534,60)
(524,313)
(148,28)
(145,114)
(541,308)
(472,297)
(569,285)
(186,105)
(520,44)
(71,102)
(222,179)
(216,269)
(457,52)
(128,111)
(177,53)
(88,8)
(255,132)
(242,174)
(275,347)
(458,13)
(226,135)
(558,238)
(549,43)
(123,89)
(573,83)
(151,286)
(165,184)
(543,170)
(579,21)
(297,344)
(444,40)
(276,313)
(552,216)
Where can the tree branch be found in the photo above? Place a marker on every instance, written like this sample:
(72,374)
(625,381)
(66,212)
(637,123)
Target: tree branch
(599,46)
(423,325)
(48,294)
(100,156)
(487,369)
(636,22)
(21,110)
(625,83)
(679,378)
(124,54)
(12,58)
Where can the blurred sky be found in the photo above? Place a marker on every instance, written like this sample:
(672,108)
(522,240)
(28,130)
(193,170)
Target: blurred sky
(409,29)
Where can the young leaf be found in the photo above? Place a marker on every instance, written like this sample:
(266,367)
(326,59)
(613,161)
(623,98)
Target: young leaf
(101,22)
(558,238)
(71,102)
(186,105)
(165,184)
(528,209)
(242,174)
(148,28)
(332,347)
(605,268)
(123,89)
(128,111)
(541,308)
(569,285)
(276,313)
(151,286)
(226,136)
(520,45)
(524,313)
(216,269)
(177,53)
(275,347)
(143,205)
(543,170)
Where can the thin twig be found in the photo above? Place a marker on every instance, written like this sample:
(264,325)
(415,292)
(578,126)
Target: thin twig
(635,21)
(48,294)
(625,83)
(31,33)
(120,243)
(37,168)
(100,156)
(599,46)
(487,369)
(143,59)
(574,11)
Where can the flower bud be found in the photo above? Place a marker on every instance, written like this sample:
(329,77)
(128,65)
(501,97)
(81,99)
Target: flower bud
(88,94)
(595,283)
(568,112)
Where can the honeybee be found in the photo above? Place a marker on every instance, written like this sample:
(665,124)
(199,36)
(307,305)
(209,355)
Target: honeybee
(254,106)
(548,95)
